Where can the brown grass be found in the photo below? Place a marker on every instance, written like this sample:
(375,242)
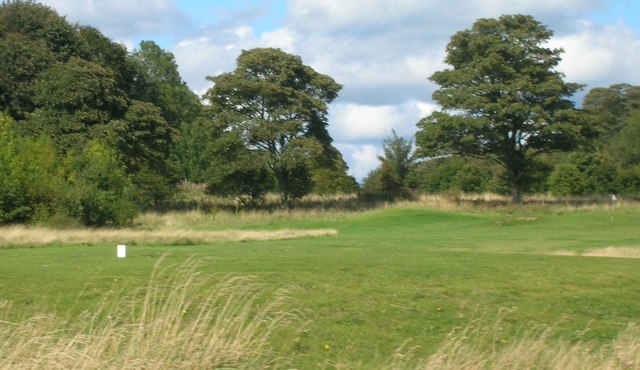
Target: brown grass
(173,324)
(613,252)
(21,236)
(478,348)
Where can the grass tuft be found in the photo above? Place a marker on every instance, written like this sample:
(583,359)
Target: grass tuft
(478,347)
(173,324)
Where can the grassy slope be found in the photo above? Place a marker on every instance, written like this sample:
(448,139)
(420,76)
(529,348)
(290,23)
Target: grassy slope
(387,277)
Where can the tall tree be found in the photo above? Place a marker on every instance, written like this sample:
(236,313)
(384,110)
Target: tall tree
(161,83)
(32,38)
(163,86)
(278,106)
(503,99)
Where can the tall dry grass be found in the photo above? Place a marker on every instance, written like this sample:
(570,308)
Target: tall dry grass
(479,348)
(15,236)
(172,324)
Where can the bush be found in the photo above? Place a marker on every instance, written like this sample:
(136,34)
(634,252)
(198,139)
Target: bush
(31,185)
(566,179)
(100,187)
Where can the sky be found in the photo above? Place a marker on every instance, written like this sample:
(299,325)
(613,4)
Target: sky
(381,51)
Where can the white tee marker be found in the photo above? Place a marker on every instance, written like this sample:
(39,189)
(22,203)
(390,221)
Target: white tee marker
(122,251)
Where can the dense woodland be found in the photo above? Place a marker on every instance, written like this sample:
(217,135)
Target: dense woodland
(94,133)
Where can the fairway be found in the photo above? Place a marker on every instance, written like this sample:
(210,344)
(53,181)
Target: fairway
(388,280)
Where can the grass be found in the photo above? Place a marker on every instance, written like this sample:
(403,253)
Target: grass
(172,323)
(391,281)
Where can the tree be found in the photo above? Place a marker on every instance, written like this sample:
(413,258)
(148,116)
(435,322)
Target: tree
(278,107)
(160,83)
(503,99)
(398,153)
(623,146)
(146,139)
(609,108)
(99,49)
(390,178)
(237,171)
(32,38)
(75,101)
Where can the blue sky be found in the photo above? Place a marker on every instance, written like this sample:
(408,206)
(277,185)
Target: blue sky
(381,51)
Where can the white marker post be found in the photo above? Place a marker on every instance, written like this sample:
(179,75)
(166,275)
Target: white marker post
(122,251)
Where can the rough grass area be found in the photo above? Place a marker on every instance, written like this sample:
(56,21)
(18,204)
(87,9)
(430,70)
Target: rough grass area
(170,324)
(480,347)
(32,236)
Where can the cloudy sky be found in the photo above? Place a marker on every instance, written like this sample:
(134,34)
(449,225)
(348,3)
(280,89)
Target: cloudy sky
(382,51)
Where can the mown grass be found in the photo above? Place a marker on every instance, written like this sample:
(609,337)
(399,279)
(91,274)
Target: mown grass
(396,278)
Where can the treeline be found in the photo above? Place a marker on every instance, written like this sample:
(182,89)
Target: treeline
(507,124)
(92,133)
(606,162)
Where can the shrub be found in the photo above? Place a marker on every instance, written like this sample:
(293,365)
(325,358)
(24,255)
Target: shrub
(566,179)
(100,187)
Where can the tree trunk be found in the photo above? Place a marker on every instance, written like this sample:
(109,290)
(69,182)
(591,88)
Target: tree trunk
(516,192)
(283,185)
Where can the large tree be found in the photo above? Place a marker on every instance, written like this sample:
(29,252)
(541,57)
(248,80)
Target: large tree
(278,107)
(503,99)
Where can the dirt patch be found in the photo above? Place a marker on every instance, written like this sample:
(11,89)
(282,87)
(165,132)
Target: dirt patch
(614,252)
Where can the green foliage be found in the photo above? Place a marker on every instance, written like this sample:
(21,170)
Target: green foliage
(623,147)
(31,185)
(189,151)
(162,85)
(390,179)
(236,171)
(277,106)
(566,179)
(458,174)
(333,179)
(99,49)
(609,108)
(503,99)
(73,84)
(21,60)
(584,174)
(437,175)
(629,181)
(472,178)
(77,101)
(32,38)
(100,187)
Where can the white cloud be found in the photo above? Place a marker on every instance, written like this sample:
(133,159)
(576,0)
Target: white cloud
(283,38)
(361,129)
(366,123)
(361,158)
(243,32)
(124,19)
(600,55)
